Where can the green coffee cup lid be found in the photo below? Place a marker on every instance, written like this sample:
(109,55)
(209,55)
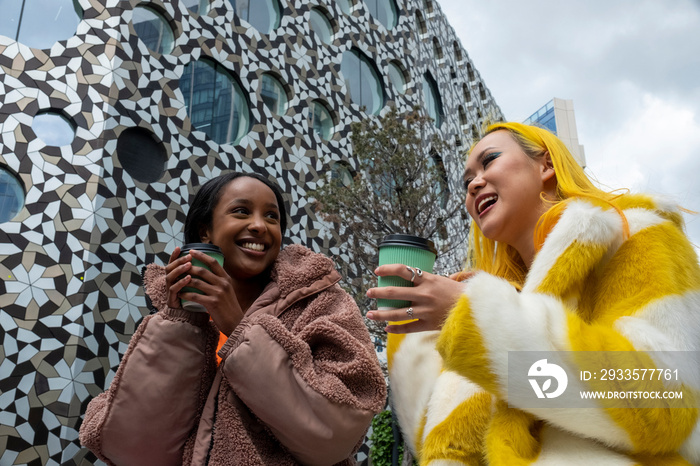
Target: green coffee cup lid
(204,247)
(408,240)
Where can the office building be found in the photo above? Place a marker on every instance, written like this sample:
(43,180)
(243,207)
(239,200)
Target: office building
(557,115)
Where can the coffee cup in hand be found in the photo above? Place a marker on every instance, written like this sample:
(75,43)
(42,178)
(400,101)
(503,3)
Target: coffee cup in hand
(210,250)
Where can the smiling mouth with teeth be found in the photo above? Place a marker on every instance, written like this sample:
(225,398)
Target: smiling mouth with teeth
(486,203)
(253,246)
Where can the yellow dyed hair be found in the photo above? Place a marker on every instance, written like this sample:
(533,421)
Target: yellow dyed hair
(503,260)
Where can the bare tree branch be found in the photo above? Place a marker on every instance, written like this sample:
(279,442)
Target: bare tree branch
(400,186)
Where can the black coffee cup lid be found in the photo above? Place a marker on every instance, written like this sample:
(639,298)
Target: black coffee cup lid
(204,247)
(408,240)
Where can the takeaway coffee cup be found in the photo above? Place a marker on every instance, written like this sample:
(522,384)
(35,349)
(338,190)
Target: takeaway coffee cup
(413,251)
(210,250)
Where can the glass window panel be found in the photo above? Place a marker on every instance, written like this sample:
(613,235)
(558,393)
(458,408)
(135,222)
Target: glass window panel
(321,120)
(458,52)
(215,103)
(241,8)
(441,187)
(341,172)
(53,128)
(11,196)
(9,19)
(467,94)
(321,25)
(362,79)
(350,67)
(432,101)
(197,6)
(397,77)
(42,22)
(153,29)
(263,15)
(462,116)
(141,155)
(345,6)
(273,95)
(422,28)
(384,11)
(437,49)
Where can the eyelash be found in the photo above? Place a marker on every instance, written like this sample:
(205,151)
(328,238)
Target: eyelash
(244,211)
(488,158)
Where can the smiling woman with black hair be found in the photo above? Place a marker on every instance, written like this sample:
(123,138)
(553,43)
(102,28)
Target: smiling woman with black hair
(279,370)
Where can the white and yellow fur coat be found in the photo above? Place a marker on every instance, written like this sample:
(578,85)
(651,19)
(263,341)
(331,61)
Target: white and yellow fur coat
(588,289)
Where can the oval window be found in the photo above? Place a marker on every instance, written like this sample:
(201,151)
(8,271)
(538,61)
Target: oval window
(40,24)
(397,77)
(362,80)
(321,120)
(201,7)
(384,11)
(141,155)
(458,52)
(263,15)
(341,171)
(346,5)
(432,100)
(321,25)
(54,128)
(420,21)
(11,195)
(153,29)
(215,102)
(273,94)
(437,49)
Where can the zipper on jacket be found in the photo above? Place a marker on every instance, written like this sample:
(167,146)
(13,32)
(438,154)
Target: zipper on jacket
(213,429)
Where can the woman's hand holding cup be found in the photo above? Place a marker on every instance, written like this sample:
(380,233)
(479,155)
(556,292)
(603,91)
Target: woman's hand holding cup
(210,287)
(431,298)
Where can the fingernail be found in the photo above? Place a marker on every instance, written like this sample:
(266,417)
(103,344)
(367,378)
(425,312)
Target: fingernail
(370,315)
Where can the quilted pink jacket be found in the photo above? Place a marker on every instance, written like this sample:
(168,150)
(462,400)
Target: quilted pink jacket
(299,381)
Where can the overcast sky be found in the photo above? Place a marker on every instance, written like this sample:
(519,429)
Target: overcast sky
(631,67)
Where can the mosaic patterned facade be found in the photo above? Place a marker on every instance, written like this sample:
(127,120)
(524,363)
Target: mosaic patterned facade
(70,261)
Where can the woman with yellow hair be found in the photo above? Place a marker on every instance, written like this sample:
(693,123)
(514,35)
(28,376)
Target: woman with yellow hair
(606,285)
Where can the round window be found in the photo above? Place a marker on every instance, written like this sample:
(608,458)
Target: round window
(362,80)
(346,5)
(321,25)
(397,77)
(54,128)
(11,195)
(153,29)
(384,11)
(321,120)
(141,155)
(273,94)
(40,23)
(341,171)
(263,15)
(215,102)
(432,100)
(200,7)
